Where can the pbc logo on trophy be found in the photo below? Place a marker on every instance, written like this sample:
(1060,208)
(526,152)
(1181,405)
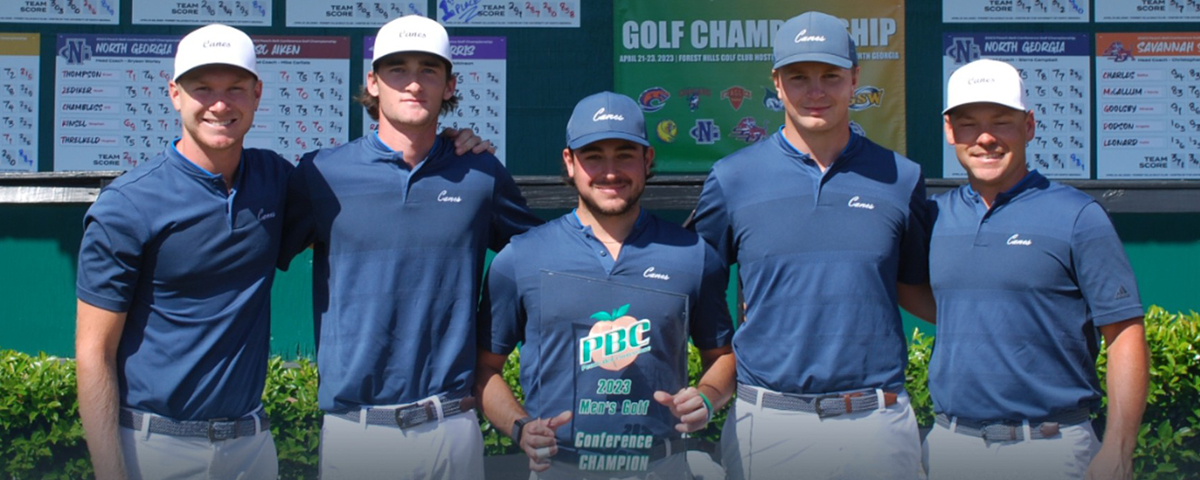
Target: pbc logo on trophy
(615,340)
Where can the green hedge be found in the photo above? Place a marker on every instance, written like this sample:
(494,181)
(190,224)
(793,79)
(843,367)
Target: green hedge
(40,434)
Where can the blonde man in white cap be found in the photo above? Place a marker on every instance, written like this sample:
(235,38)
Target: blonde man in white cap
(174,283)
(400,228)
(1026,273)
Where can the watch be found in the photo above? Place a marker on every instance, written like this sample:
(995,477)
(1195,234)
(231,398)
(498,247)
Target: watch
(517,427)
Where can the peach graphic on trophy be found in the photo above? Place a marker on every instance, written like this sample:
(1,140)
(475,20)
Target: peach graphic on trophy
(615,340)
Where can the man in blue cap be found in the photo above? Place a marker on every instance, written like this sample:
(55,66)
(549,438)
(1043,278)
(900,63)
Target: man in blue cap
(603,300)
(829,232)
(1026,273)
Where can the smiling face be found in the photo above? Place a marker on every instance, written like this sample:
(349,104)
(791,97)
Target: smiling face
(989,140)
(410,88)
(610,175)
(216,105)
(816,96)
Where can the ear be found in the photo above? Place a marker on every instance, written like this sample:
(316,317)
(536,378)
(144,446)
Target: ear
(649,160)
(372,84)
(451,87)
(775,79)
(569,163)
(175,91)
(853,77)
(258,87)
(949,130)
(1030,126)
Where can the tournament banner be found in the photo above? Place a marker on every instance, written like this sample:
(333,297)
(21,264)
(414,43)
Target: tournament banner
(1148,105)
(1017,11)
(106,12)
(349,13)
(19,80)
(255,13)
(112,109)
(507,13)
(612,346)
(1147,11)
(702,72)
(1055,68)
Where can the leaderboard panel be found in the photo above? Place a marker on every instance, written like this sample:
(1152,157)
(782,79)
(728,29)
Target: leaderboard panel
(113,110)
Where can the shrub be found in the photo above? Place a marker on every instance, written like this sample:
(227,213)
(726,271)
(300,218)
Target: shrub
(41,437)
(40,433)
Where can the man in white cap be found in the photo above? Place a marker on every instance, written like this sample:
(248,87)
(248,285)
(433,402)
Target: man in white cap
(829,232)
(1026,272)
(630,289)
(400,228)
(174,283)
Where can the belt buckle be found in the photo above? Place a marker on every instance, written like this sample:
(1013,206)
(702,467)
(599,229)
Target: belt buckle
(212,433)
(816,404)
(405,417)
(1012,432)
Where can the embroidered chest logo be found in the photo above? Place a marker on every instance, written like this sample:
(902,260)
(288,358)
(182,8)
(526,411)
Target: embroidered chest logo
(649,273)
(1017,240)
(444,196)
(855,202)
(264,215)
(615,340)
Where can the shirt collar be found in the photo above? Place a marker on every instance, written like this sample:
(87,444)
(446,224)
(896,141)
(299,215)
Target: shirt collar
(855,140)
(190,167)
(1032,180)
(574,221)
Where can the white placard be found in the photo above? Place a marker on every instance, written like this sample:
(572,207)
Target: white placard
(480,68)
(1055,68)
(200,12)
(1015,11)
(1147,10)
(61,11)
(19,82)
(345,13)
(505,13)
(112,110)
(1148,105)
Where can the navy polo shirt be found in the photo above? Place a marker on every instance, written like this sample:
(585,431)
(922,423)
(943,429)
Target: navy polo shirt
(192,267)
(819,255)
(1020,290)
(551,287)
(397,265)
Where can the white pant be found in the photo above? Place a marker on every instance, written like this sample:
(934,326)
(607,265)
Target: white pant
(954,456)
(151,456)
(449,449)
(764,444)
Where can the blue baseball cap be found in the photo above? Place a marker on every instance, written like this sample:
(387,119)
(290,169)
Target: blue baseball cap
(814,37)
(603,116)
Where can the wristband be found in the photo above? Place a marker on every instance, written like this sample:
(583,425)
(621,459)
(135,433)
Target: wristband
(707,406)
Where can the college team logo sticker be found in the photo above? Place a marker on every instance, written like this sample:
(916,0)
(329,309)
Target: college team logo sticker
(615,340)
(653,99)
(693,96)
(736,95)
(865,97)
(667,130)
(771,100)
(749,131)
(706,132)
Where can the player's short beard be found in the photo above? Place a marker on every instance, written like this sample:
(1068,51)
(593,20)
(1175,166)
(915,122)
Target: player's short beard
(598,211)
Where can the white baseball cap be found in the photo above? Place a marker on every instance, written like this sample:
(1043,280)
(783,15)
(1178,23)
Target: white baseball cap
(215,44)
(986,80)
(412,33)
